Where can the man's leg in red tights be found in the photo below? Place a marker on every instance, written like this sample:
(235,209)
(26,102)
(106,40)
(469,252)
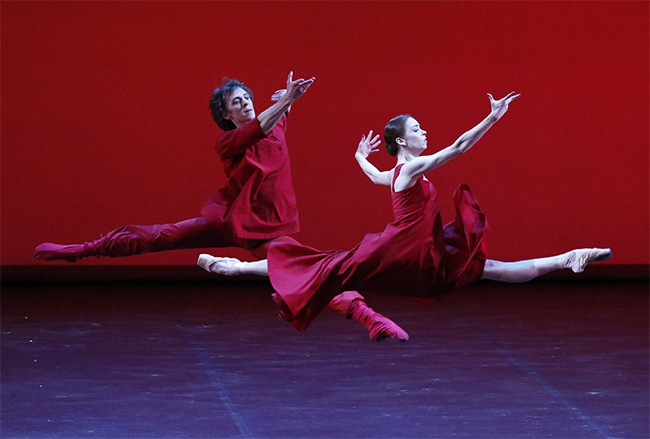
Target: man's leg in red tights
(135,239)
(353,305)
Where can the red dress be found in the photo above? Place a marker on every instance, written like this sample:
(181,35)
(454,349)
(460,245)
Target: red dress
(415,255)
(258,201)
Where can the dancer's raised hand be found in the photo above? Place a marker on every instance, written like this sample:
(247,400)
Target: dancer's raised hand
(283,99)
(297,88)
(278,94)
(500,107)
(368,145)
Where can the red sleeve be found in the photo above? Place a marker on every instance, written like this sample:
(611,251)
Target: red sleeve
(237,141)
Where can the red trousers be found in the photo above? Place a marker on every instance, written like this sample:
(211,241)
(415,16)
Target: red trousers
(192,233)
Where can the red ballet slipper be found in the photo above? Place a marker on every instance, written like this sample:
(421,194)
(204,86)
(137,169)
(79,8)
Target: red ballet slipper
(71,253)
(50,252)
(379,327)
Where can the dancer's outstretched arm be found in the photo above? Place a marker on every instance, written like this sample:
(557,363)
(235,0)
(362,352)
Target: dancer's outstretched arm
(295,89)
(414,168)
(368,145)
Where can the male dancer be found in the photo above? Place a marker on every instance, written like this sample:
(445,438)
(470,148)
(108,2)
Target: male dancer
(256,206)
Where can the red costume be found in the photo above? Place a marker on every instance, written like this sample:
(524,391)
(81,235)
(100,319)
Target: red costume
(414,255)
(258,201)
(256,205)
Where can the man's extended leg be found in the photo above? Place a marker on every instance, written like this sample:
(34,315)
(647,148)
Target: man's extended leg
(135,239)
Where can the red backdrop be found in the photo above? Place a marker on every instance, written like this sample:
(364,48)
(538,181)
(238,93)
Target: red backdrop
(105,119)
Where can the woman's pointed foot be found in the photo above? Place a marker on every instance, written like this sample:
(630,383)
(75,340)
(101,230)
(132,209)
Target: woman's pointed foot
(578,259)
(220,265)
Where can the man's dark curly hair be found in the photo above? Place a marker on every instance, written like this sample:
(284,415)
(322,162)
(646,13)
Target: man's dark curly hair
(219,102)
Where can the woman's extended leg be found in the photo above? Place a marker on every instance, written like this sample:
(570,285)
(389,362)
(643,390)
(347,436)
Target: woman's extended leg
(232,266)
(351,304)
(523,271)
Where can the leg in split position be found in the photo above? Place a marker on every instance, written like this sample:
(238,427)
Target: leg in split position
(523,271)
(136,239)
(351,304)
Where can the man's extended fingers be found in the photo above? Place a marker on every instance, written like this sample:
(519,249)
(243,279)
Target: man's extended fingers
(512,98)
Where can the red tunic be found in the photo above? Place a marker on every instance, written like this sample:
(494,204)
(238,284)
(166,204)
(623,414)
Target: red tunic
(258,201)
(414,255)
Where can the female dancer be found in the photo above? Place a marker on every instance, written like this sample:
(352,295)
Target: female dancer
(415,254)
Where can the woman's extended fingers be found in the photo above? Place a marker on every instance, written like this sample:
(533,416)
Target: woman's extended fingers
(374,139)
(371,143)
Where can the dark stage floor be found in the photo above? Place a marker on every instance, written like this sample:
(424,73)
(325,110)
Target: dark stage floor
(546,359)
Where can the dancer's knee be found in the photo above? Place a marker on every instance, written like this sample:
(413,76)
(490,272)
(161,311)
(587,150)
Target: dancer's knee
(511,272)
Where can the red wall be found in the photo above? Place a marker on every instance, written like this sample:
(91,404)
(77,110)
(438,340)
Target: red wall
(105,119)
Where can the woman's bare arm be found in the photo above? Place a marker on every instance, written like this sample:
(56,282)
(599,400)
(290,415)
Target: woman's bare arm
(418,166)
(368,145)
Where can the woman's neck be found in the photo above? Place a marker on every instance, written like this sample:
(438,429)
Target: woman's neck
(404,156)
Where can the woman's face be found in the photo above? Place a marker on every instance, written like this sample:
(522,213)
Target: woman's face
(414,136)
(240,107)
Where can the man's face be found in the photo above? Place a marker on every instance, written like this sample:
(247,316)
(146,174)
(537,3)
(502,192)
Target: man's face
(240,107)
